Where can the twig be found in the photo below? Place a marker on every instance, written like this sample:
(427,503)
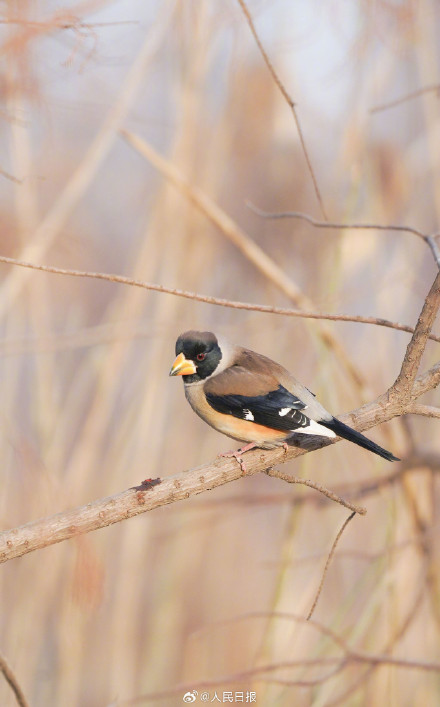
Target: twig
(411,362)
(13,683)
(349,653)
(429,239)
(208,299)
(414,463)
(426,381)
(283,615)
(64,22)
(217,301)
(408,97)
(332,496)
(331,224)
(230,679)
(426,410)
(313,682)
(341,662)
(287,98)
(327,564)
(313,485)
(11,177)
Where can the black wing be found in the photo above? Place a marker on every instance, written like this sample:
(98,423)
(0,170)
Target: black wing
(277,409)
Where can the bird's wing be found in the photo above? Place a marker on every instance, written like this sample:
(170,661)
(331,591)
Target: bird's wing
(260,399)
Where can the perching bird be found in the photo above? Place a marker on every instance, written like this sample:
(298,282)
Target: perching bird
(251,398)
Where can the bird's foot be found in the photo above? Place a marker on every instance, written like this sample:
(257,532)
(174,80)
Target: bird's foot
(237,455)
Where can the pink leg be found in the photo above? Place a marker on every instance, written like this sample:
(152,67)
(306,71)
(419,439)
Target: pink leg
(238,453)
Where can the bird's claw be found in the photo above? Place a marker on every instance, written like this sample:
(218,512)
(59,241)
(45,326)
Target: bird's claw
(236,456)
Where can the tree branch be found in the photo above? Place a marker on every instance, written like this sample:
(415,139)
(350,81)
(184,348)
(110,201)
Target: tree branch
(411,362)
(208,299)
(13,683)
(327,564)
(434,88)
(288,100)
(132,502)
(426,381)
(426,410)
(317,487)
(430,240)
(98,514)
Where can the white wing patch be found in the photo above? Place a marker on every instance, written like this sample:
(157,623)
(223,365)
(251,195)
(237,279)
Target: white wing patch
(248,415)
(285,411)
(314,428)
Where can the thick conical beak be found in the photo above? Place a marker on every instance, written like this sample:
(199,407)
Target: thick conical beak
(182,367)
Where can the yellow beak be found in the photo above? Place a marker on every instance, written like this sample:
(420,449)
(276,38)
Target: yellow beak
(182,367)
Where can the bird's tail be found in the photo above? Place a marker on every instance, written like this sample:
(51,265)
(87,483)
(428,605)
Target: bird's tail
(347,432)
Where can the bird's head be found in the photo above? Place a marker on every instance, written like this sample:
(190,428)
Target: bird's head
(198,355)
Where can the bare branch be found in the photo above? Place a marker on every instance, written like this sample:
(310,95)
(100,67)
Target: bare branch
(230,679)
(426,381)
(216,301)
(324,630)
(287,98)
(64,22)
(353,491)
(260,671)
(332,496)
(13,683)
(103,512)
(327,564)
(342,662)
(426,410)
(332,224)
(312,484)
(411,362)
(429,239)
(11,177)
(435,88)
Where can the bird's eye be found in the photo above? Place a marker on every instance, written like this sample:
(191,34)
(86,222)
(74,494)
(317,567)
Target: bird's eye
(200,356)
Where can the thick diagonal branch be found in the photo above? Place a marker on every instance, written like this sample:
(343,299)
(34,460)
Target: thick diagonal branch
(403,385)
(106,511)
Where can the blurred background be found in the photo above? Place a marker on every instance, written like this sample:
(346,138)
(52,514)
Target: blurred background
(205,590)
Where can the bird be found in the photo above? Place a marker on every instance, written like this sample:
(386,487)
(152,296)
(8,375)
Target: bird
(251,398)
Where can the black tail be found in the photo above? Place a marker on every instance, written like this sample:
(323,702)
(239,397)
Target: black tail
(347,432)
